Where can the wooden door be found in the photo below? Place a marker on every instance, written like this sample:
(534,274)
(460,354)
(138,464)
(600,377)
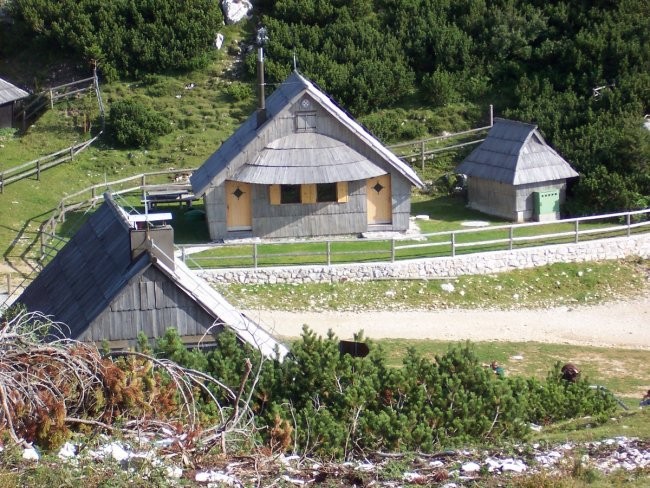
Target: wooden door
(380,205)
(238,206)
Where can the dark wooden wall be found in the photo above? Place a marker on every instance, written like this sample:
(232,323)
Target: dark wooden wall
(150,303)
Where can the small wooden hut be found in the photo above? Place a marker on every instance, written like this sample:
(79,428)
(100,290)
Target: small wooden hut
(301,167)
(515,174)
(9,96)
(118,277)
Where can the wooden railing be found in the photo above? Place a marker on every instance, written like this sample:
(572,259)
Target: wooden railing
(35,167)
(428,245)
(90,196)
(422,148)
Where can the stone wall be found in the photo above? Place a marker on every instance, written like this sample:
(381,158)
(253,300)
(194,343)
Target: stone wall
(446,267)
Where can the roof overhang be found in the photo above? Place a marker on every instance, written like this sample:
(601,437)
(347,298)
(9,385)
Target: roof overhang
(304,158)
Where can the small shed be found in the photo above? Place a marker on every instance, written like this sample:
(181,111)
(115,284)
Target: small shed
(515,174)
(300,166)
(118,277)
(9,96)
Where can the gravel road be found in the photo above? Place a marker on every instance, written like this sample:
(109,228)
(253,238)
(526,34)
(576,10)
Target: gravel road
(623,324)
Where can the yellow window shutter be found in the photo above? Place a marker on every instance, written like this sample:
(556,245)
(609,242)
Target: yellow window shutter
(308,193)
(342,191)
(274,194)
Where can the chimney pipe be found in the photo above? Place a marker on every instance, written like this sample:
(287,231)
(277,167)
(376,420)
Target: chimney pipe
(261,102)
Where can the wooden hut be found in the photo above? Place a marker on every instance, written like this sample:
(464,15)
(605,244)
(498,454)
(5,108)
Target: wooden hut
(301,167)
(118,277)
(515,174)
(9,95)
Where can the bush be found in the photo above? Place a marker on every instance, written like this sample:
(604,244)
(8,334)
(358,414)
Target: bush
(335,405)
(133,124)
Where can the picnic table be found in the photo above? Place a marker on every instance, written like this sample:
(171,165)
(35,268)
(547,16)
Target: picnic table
(152,198)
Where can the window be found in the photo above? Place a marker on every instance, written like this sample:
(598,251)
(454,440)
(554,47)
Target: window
(289,193)
(309,193)
(306,121)
(326,192)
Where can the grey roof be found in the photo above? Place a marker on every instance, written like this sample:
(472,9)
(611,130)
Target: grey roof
(515,153)
(216,168)
(95,265)
(10,93)
(307,157)
(82,279)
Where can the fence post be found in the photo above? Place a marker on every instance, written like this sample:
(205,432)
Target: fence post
(2,182)
(577,232)
(512,231)
(255,255)
(42,244)
(628,218)
(422,153)
(38,170)
(71,152)
(392,250)
(329,253)
(51,100)
(453,244)
(62,212)
(183,254)
(491,115)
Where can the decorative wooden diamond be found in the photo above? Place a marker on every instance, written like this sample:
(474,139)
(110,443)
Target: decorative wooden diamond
(378,188)
(238,193)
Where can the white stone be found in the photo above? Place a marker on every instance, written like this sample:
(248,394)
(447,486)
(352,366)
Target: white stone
(235,10)
(31,454)
(67,451)
(216,477)
(421,217)
(218,41)
(173,472)
(470,467)
(448,287)
(514,465)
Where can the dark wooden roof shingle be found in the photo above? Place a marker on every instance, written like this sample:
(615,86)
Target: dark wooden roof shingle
(515,153)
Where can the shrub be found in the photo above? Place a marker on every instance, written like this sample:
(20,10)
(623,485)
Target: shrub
(133,124)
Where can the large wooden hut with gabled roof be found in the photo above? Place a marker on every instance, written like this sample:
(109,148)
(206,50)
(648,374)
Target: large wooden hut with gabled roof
(9,95)
(515,174)
(301,167)
(117,277)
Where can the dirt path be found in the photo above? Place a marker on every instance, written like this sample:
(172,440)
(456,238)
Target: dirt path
(619,324)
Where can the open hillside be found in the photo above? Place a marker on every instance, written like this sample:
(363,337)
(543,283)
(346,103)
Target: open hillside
(406,69)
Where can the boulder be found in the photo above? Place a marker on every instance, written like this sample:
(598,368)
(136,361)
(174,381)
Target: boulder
(235,10)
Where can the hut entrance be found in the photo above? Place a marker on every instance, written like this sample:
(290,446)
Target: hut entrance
(380,208)
(238,206)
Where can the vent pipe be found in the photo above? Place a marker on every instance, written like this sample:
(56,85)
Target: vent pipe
(261,102)
(261,39)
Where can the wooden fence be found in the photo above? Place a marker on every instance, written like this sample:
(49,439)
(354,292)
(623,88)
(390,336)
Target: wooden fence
(35,167)
(428,245)
(87,198)
(422,149)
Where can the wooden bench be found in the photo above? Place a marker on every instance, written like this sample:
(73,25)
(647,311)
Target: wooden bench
(153,198)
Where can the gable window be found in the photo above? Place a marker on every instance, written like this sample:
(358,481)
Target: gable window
(306,121)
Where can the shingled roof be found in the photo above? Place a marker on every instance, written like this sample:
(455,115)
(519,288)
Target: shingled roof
(515,153)
(96,264)
(290,159)
(10,93)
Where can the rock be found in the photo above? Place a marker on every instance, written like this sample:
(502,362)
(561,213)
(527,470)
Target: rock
(67,451)
(470,467)
(448,287)
(218,41)
(235,10)
(31,454)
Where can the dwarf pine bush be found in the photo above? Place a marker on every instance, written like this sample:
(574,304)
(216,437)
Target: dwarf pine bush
(333,405)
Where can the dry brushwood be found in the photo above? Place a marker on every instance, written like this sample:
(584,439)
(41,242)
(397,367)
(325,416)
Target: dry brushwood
(48,388)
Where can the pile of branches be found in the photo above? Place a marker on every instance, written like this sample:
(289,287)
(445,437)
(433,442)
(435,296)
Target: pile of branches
(51,387)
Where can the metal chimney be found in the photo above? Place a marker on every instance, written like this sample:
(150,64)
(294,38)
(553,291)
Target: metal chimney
(262,38)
